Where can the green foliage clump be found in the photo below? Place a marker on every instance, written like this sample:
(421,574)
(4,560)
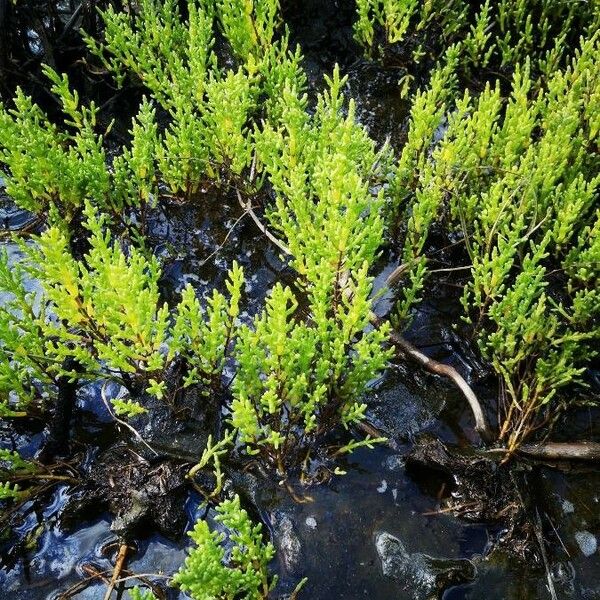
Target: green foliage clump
(48,167)
(207,136)
(103,309)
(103,313)
(518,179)
(298,377)
(11,466)
(398,19)
(212,571)
(502,33)
(322,169)
(297,380)
(249,26)
(54,171)
(201,336)
(210,108)
(134,170)
(10,491)
(25,370)
(173,58)
(138,594)
(413,178)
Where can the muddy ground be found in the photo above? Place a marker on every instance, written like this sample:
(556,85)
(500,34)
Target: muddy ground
(426,516)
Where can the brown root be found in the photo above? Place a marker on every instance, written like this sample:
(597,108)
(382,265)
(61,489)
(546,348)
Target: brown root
(584,451)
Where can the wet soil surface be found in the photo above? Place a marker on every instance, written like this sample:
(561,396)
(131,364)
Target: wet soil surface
(422,517)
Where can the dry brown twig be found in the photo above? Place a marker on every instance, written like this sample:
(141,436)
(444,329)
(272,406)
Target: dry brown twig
(92,575)
(119,564)
(247,207)
(433,366)
(580,451)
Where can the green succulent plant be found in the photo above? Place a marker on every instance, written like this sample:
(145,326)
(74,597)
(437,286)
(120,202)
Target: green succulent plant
(213,572)
(517,179)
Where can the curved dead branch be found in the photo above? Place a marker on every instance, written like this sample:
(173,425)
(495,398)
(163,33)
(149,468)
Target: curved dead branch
(247,206)
(433,366)
(583,451)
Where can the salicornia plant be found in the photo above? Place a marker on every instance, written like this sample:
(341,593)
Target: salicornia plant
(210,108)
(231,565)
(103,313)
(502,33)
(518,179)
(297,380)
(48,167)
(301,374)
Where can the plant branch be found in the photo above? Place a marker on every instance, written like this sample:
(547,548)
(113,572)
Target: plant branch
(248,208)
(433,366)
(133,430)
(584,451)
(120,561)
(406,348)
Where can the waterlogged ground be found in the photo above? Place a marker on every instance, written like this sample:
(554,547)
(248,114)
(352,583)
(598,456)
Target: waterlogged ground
(381,531)
(374,533)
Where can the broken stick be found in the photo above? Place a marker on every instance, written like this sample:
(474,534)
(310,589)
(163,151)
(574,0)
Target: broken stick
(119,563)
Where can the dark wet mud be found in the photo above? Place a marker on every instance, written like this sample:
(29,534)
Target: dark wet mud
(419,518)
